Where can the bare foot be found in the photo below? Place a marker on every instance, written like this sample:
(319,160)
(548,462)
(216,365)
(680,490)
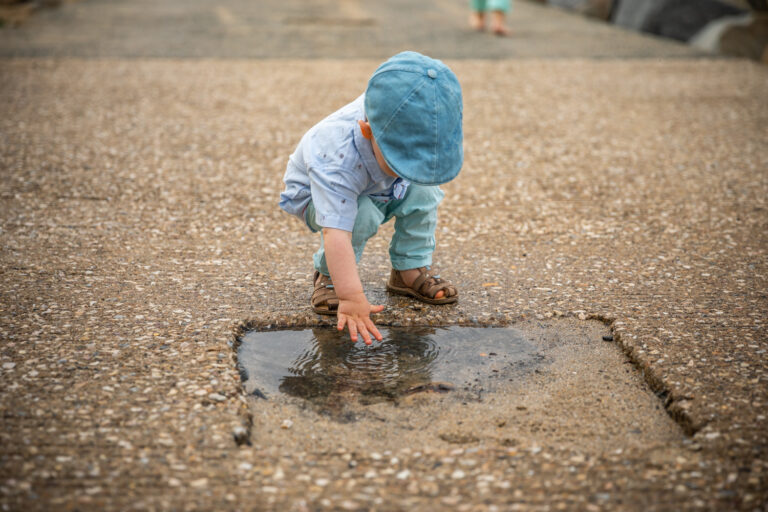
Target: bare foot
(497,24)
(501,31)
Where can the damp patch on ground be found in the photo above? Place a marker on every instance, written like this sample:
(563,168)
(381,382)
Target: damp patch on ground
(531,384)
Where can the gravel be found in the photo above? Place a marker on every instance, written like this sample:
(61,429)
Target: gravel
(140,231)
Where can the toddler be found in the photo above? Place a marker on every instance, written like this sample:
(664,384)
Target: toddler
(380,157)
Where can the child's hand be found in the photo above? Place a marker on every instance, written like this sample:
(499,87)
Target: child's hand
(354,312)
(354,309)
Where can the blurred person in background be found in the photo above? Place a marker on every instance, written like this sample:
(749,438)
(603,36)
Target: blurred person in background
(498,10)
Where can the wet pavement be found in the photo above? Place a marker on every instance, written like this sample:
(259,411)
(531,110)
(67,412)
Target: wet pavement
(141,237)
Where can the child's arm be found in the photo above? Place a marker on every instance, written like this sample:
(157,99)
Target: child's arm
(354,308)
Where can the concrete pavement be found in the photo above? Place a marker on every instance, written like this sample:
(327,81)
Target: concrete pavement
(140,232)
(272,29)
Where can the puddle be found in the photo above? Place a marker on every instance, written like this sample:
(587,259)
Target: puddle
(549,383)
(320,364)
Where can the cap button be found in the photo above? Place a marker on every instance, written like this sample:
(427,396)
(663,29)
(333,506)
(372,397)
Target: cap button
(431,73)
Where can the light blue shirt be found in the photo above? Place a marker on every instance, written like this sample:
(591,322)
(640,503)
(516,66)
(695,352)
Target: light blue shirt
(333,165)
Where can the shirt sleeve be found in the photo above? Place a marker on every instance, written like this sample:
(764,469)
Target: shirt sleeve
(335,198)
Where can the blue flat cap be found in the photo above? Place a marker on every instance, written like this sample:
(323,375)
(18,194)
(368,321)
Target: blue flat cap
(413,104)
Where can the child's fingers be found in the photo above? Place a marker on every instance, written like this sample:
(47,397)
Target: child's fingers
(366,336)
(341,322)
(377,309)
(352,331)
(373,330)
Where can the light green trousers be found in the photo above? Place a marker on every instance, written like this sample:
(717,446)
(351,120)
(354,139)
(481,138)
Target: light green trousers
(415,217)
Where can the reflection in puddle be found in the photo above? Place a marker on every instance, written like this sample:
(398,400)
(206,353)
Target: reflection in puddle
(322,364)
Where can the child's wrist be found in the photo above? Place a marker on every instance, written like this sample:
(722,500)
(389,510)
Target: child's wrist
(351,296)
(357,296)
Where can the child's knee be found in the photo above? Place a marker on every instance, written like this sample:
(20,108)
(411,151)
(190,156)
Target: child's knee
(421,198)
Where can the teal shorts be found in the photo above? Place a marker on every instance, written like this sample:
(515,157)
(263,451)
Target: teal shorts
(490,5)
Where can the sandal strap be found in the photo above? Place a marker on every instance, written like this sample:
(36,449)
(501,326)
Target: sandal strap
(324,292)
(326,296)
(428,283)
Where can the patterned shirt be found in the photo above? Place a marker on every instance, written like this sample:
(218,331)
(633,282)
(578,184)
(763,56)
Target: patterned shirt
(333,165)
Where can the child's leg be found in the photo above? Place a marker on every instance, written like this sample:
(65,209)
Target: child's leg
(415,215)
(477,17)
(367,223)
(412,246)
(499,9)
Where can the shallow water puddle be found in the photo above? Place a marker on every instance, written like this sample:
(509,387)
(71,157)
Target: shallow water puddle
(321,363)
(539,383)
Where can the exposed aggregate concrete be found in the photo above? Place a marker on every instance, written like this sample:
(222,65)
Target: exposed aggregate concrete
(139,228)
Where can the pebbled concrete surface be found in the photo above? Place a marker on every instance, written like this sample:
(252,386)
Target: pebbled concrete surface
(140,229)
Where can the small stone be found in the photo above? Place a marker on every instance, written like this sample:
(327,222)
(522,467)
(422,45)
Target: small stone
(450,500)
(403,475)
(217,397)
(174,482)
(9,366)
(458,474)
(199,483)
(241,436)
(322,482)
(245,466)
(608,338)
(286,424)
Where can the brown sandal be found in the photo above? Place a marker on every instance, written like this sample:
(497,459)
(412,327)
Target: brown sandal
(324,300)
(424,287)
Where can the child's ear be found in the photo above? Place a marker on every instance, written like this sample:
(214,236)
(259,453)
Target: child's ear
(365,128)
